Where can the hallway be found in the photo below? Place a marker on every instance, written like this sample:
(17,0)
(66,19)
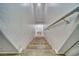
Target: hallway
(39,47)
(39,29)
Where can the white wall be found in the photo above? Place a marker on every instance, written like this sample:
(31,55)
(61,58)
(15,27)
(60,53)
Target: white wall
(74,37)
(16,24)
(59,33)
(74,51)
(5,45)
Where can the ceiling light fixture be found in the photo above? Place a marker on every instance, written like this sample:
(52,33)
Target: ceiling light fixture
(39,4)
(25,4)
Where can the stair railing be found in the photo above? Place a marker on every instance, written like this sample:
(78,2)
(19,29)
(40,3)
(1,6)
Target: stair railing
(70,13)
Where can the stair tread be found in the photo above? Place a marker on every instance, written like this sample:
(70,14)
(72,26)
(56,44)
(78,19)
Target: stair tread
(39,46)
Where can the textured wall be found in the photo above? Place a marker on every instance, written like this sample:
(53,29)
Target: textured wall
(71,40)
(5,45)
(16,24)
(59,33)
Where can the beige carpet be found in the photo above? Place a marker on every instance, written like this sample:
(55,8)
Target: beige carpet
(38,47)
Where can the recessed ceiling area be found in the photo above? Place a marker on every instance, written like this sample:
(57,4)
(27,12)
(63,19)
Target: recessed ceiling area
(38,12)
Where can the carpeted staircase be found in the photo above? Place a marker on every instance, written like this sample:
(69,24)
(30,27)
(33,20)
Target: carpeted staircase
(38,47)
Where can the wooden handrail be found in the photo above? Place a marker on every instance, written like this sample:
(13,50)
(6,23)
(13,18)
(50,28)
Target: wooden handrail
(70,13)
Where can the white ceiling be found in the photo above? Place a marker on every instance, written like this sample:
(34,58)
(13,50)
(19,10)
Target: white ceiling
(45,13)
